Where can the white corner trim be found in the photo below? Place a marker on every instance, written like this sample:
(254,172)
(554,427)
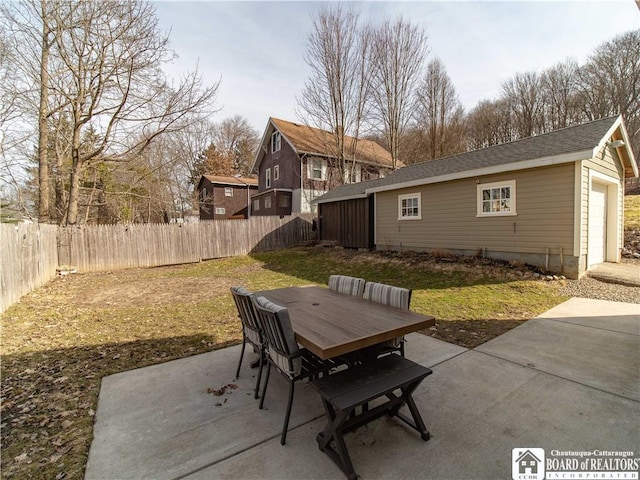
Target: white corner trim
(578,208)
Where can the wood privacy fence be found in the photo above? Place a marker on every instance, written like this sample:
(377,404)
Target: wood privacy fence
(28,259)
(30,254)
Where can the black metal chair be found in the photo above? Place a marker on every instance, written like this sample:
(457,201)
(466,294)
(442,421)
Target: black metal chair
(293,362)
(349,285)
(251,330)
(389,295)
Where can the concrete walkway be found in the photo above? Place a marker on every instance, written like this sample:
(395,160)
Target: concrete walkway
(621,273)
(567,380)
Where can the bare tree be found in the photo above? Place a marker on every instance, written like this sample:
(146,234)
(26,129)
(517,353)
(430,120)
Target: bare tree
(237,140)
(609,82)
(398,53)
(440,114)
(489,123)
(101,79)
(334,96)
(524,95)
(559,90)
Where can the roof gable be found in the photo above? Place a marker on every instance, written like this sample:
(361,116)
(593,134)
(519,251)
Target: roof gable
(314,141)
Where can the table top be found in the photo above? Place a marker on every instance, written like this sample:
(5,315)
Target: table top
(331,324)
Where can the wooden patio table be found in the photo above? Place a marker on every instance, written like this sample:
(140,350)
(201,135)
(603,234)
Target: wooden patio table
(331,324)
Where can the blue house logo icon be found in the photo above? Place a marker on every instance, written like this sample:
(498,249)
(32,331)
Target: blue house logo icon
(527,463)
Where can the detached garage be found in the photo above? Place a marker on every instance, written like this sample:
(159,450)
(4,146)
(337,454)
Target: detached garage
(554,200)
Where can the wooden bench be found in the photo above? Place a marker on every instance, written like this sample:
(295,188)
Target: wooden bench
(392,377)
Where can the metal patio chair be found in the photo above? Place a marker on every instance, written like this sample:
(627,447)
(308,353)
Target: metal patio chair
(349,285)
(293,362)
(389,295)
(251,330)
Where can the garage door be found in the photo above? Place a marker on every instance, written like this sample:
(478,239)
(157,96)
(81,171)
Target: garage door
(597,224)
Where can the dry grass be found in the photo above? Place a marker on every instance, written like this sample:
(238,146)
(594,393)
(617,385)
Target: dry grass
(61,339)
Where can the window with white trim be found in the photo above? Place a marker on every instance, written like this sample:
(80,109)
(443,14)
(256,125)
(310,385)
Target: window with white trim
(276,141)
(220,211)
(268,178)
(409,206)
(267,202)
(256,205)
(276,172)
(228,191)
(497,199)
(317,169)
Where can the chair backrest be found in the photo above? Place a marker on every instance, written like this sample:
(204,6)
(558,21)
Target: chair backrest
(248,316)
(282,346)
(387,294)
(349,285)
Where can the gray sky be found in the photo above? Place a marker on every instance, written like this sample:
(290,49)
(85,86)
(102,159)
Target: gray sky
(257,48)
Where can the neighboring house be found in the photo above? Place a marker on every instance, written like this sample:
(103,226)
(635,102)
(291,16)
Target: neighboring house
(554,200)
(225,197)
(297,164)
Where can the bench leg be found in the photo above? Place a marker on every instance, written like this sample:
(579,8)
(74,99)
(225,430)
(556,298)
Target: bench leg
(333,432)
(407,398)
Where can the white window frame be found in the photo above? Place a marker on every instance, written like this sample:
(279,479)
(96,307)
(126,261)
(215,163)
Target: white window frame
(353,173)
(403,212)
(220,210)
(276,141)
(267,202)
(511,184)
(267,177)
(228,191)
(276,172)
(256,205)
(315,164)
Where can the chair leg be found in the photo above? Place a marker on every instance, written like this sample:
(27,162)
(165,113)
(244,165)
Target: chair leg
(402,348)
(244,343)
(283,438)
(255,395)
(264,387)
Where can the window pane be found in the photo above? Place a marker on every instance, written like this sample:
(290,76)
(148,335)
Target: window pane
(486,207)
(506,192)
(486,195)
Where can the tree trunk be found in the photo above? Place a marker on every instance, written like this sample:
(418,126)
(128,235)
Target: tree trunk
(43,131)
(74,187)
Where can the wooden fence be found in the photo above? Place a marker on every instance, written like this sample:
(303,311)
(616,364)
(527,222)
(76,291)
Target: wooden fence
(30,254)
(28,259)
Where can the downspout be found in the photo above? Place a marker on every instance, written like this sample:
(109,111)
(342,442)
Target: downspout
(302,179)
(248,203)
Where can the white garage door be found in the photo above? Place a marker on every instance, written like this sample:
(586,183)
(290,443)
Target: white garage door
(597,224)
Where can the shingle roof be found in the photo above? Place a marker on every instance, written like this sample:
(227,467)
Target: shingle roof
(312,140)
(566,141)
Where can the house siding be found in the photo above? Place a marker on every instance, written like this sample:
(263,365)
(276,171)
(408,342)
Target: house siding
(289,164)
(543,224)
(235,206)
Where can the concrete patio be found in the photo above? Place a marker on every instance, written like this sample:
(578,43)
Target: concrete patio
(567,380)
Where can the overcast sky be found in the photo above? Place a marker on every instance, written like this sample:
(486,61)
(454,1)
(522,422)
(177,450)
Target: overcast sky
(257,49)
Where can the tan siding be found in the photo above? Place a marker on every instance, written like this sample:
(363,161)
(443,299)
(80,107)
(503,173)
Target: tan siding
(544,205)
